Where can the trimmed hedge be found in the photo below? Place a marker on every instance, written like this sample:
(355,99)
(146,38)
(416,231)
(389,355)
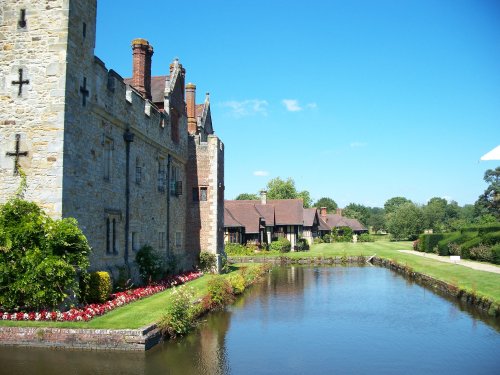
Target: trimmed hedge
(428,242)
(495,254)
(98,288)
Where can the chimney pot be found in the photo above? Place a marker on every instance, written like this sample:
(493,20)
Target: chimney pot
(142,52)
(191,108)
(263,197)
(339,211)
(323,211)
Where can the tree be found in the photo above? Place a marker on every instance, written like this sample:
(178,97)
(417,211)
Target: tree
(279,189)
(435,214)
(247,196)
(391,205)
(406,222)
(377,219)
(306,198)
(357,211)
(489,201)
(40,258)
(329,203)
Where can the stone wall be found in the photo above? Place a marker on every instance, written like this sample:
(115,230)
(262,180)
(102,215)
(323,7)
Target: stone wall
(82,339)
(36,112)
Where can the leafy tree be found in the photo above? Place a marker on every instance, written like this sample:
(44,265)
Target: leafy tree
(306,198)
(280,189)
(329,203)
(247,196)
(357,211)
(435,214)
(489,201)
(406,222)
(40,258)
(377,219)
(391,205)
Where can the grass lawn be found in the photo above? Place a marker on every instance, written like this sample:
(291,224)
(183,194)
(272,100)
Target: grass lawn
(134,315)
(483,283)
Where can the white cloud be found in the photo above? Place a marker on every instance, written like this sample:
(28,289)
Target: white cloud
(312,105)
(261,173)
(246,107)
(291,105)
(357,144)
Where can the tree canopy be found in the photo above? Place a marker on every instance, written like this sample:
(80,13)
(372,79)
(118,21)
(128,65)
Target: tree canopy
(489,201)
(329,203)
(247,196)
(406,222)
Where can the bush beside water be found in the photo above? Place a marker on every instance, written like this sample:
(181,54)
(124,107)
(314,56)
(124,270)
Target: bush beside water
(477,242)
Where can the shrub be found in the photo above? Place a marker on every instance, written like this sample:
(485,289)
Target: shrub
(220,293)
(208,261)
(180,313)
(416,245)
(150,264)
(302,244)
(236,249)
(491,238)
(448,245)
(41,259)
(429,242)
(318,240)
(495,254)
(327,238)
(365,237)
(281,245)
(481,252)
(98,287)
(237,283)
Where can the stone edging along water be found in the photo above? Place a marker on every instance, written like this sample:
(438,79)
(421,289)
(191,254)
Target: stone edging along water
(481,303)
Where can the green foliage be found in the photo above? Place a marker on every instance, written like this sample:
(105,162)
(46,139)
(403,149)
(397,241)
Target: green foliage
(481,253)
(491,238)
(150,264)
(247,196)
(495,254)
(281,245)
(237,282)
(208,261)
(306,198)
(180,314)
(236,249)
(98,287)
(220,293)
(40,258)
(489,201)
(391,205)
(428,242)
(365,237)
(302,244)
(358,212)
(329,203)
(405,222)
(280,189)
(318,240)
(341,234)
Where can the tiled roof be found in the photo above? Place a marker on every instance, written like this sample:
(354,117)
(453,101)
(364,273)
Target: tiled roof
(274,212)
(230,221)
(335,220)
(157,87)
(309,216)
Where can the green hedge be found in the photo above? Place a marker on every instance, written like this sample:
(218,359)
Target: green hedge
(443,244)
(428,242)
(281,244)
(491,238)
(98,288)
(495,254)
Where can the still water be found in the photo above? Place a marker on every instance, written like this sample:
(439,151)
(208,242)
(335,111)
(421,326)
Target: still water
(306,320)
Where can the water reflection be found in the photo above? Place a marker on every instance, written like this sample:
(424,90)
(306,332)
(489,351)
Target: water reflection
(307,320)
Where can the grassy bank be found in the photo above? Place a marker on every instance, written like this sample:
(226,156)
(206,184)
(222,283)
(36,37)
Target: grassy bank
(485,284)
(134,315)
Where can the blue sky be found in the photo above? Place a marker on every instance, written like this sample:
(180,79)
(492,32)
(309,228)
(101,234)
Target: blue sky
(359,101)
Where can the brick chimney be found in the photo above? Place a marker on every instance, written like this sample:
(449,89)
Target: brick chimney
(322,211)
(263,197)
(191,107)
(339,211)
(142,52)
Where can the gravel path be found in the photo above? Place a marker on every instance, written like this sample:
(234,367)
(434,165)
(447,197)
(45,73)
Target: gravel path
(466,263)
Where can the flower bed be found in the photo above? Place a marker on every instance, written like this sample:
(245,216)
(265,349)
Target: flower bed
(90,311)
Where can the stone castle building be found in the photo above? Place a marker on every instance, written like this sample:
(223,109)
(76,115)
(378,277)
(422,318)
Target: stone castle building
(134,160)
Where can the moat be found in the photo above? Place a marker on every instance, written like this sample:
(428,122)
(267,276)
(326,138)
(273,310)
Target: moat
(301,320)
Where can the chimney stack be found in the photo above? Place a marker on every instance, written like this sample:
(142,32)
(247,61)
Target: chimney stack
(339,211)
(263,197)
(323,211)
(191,108)
(141,66)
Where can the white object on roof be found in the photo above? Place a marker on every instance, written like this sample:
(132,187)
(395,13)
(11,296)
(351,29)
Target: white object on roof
(492,155)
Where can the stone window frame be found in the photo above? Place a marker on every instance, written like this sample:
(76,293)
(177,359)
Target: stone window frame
(113,218)
(161,176)
(161,240)
(178,239)
(200,194)
(108,148)
(175,180)
(138,171)
(135,242)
